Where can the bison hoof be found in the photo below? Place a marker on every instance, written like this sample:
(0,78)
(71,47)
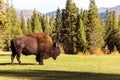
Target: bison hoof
(12,64)
(41,64)
(20,64)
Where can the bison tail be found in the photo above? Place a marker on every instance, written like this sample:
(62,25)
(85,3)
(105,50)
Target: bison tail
(13,46)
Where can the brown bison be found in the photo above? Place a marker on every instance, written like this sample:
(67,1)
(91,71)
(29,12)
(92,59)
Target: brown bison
(39,44)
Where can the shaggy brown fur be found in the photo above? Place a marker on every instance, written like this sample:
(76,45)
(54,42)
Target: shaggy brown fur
(39,44)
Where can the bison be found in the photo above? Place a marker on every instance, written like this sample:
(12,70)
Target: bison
(39,44)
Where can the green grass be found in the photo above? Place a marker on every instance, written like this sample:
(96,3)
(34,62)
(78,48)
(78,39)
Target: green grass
(66,67)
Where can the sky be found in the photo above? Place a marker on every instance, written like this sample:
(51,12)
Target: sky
(45,6)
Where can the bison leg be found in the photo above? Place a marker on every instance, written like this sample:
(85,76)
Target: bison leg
(12,58)
(18,59)
(41,62)
(39,59)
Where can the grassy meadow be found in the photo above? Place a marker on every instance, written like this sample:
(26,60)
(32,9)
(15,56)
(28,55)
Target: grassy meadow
(66,67)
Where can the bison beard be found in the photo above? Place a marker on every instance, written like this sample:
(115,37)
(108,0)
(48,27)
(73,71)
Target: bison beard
(39,44)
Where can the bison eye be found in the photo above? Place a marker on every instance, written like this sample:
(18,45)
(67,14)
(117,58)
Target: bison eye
(56,44)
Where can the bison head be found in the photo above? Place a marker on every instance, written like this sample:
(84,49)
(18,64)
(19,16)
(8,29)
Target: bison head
(55,50)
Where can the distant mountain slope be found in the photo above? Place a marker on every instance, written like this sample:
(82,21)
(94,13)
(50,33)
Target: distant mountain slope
(49,14)
(102,11)
(26,13)
(115,8)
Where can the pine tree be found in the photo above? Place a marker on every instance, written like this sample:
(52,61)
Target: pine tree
(29,26)
(2,17)
(119,21)
(5,35)
(95,29)
(107,29)
(113,39)
(85,24)
(12,28)
(81,37)
(115,23)
(45,24)
(58,25)
(22,24)
(35,23)
(85,19)
(69,17)
(107,25)
(15,24)
(118,36)
(5,25)
(51,25)
(38,27)
(4,29)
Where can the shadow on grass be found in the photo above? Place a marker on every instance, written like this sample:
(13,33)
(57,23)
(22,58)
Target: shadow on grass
(18,64)
(57,75)
(5,54)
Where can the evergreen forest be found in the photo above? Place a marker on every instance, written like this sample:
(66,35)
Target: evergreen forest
(76,29)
